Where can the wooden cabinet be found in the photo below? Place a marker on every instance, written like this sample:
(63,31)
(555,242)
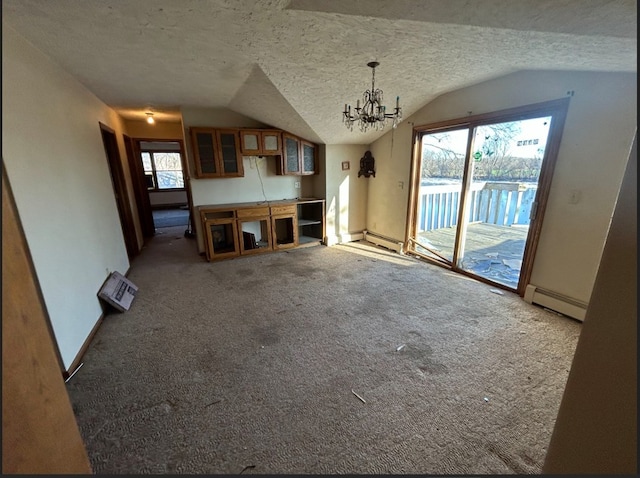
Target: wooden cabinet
(238,229)
(216,152)
(311,223)
(284,223)
(221,233)
(266,142)
(254,230)
(299,157)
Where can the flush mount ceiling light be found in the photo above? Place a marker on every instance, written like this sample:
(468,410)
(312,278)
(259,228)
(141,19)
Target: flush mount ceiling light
(372,114)
(150,119)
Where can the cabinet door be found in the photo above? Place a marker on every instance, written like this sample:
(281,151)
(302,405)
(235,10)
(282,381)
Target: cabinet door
(291,156)
(284,231)
(254,234)
(309,164)
(250,142)
(222,238)
(229,153)
(205,152)
(271,142)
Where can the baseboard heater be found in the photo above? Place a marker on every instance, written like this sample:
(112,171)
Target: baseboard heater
(392,244)
(554,301)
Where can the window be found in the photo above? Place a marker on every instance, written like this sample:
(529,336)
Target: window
(162,170)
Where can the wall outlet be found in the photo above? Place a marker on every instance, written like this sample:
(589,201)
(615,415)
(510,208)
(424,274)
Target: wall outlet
(296,185)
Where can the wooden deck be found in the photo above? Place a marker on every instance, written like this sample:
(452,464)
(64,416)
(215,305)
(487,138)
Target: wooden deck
(491,251)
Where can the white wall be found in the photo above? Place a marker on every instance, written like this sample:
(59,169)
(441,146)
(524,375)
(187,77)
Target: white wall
(598,132)
(346,194)
(56,164)
(163,198)
(597,426)
(259,173)
(389,190)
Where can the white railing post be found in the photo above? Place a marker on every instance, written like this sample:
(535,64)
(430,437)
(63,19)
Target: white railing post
(498,203)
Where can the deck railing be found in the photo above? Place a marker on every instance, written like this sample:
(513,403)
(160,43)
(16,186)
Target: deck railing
(499,203)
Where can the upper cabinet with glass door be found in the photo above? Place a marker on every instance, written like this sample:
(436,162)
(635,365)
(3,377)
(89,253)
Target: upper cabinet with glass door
(266,142)
(299,157)
(216,152)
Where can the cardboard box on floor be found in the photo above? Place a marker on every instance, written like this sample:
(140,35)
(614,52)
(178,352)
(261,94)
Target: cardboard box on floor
(118,291)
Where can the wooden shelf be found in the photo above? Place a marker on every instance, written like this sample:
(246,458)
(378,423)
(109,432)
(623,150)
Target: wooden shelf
(308,222)
(308,241)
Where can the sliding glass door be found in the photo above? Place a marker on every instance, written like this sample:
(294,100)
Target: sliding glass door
(479,189)
(441,173)
(506,162)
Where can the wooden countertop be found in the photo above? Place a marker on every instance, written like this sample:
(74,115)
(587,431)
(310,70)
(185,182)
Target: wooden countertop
(242,205)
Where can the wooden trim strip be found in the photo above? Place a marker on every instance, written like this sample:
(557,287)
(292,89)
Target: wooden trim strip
(510,114)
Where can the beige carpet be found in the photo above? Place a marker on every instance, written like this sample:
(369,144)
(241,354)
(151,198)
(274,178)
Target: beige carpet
(252,365)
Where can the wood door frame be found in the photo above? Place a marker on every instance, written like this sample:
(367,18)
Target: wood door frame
(557,109)
(121,194)
(140,191)
(185,174)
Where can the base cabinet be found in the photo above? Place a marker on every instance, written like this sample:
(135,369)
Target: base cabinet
(249,228)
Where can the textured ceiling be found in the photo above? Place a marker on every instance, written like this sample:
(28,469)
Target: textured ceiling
(293,64)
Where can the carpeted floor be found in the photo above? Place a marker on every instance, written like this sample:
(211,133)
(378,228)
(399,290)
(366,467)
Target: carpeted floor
(252,365)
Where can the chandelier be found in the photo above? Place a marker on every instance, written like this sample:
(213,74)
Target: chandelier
(372,114)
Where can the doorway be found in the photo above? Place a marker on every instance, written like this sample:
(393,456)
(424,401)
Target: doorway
(161,185)
(120,190)
(479,190)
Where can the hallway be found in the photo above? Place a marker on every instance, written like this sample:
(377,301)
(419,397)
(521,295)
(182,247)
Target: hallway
(171,217)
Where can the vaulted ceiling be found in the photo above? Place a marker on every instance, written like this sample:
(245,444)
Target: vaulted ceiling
(293,64)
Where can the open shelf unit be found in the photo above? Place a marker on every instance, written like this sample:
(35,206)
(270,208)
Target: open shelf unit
(311,227)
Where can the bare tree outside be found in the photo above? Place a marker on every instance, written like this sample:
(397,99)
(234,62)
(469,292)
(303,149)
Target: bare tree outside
(492,154)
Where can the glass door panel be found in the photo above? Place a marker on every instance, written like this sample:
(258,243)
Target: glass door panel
(441,173)
(291,155)
(228,148)
(205,148)
(505,165)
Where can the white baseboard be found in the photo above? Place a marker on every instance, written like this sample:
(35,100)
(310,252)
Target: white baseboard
(343,238)
(554,301)
(389,243)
